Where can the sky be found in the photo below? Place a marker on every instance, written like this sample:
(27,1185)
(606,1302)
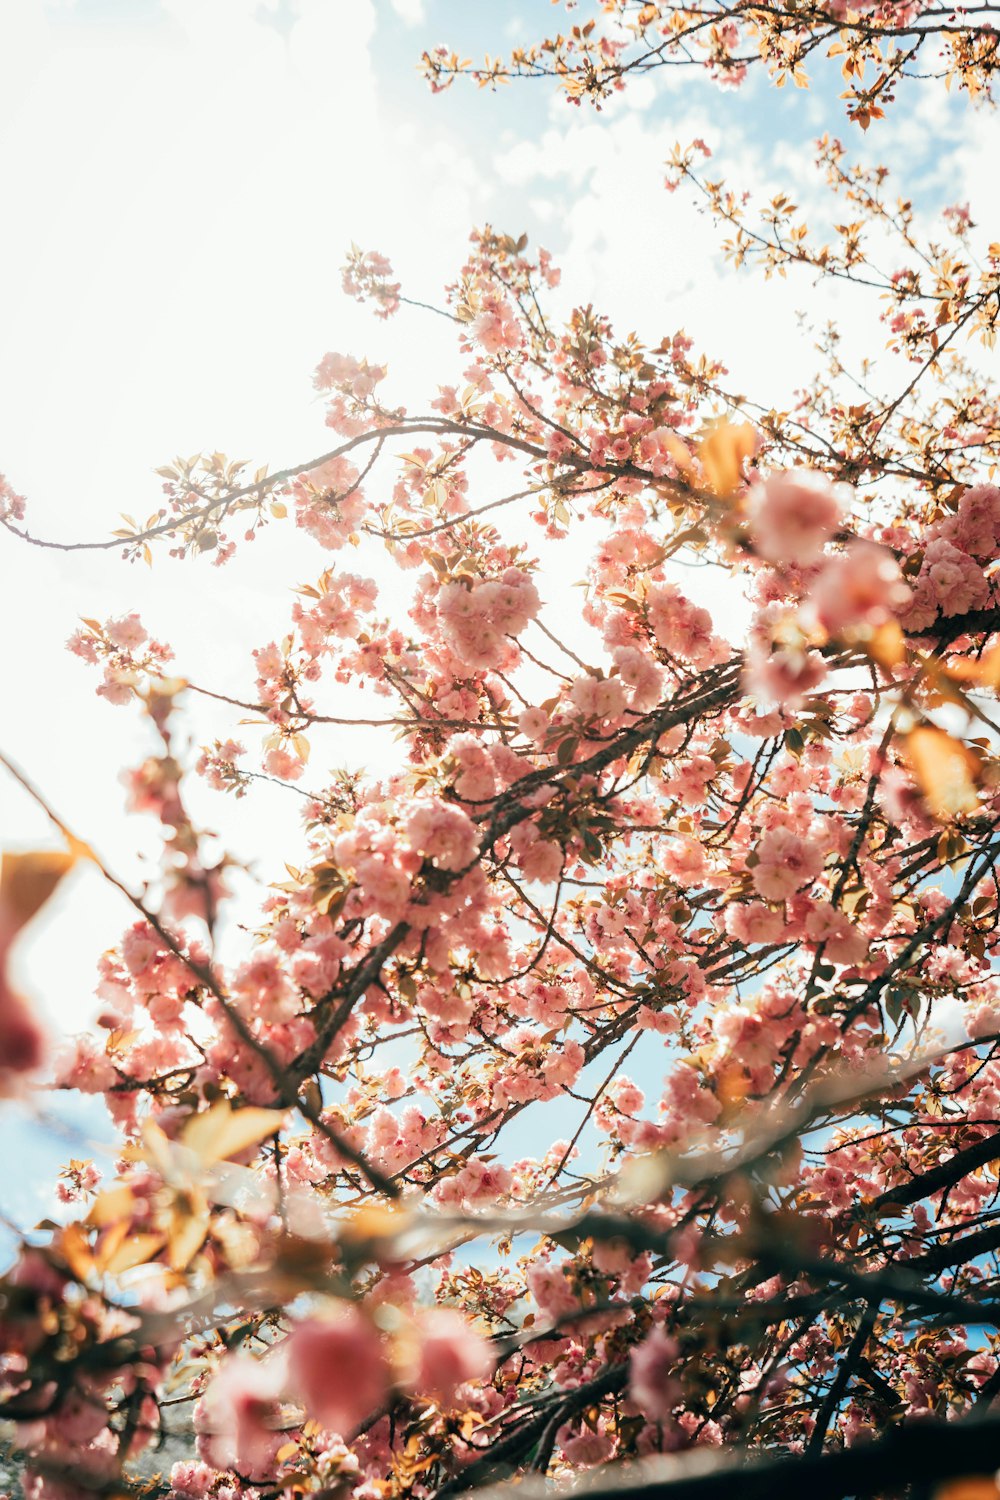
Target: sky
(179,180)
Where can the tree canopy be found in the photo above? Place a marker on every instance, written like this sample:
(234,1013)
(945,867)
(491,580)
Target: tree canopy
(761,872)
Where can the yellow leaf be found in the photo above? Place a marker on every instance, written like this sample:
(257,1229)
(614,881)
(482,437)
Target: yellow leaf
(222,1132)
(945,770)
(722,454)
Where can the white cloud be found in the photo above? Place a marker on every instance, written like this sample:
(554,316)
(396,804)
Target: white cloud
(410,12)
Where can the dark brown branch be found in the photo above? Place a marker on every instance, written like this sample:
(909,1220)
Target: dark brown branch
(919,1450)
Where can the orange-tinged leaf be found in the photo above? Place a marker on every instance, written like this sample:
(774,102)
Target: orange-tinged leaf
(111,1206)
(722,453)
(109,1244)
(120,1250)
(137,1250)
(156,1149)
(985,671)
(679,452)
(732,1087)
(186,1239)
(962,671)
(76,1252)
(989,668)
(945,770)
(373,1222)
(969,1487)
(886,645)
(27,881)
(222,1132)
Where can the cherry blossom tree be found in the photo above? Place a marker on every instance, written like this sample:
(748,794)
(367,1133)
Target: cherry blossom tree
(762,873)
(597,54)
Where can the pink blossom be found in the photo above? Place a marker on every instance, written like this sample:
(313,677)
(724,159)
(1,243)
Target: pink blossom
(497,329)
(283,764)
(329,502)
(832,1184)
(551,1290)
(680,627)
(950,582)
(983,1020)
(586,1447)
(598,698)
(141,948)
(449,1353)
(190,1480)
(642,676)
(652,1383)
(237,1420)
(753,922)
(975,526)
(127,633)
(841,941)
(83,644)
(198,1481)
(84,1065)
(91,1467)
(478,1184)
(685,860)
(793,513)
(11,504)
(785,863)
(338,1366)
(394,1085)
(627,1095)
(476,619)
(538,858)
(343,370)
(863,585)
(533,723)
(564,1064)
(476,780)
(689,780)
(784,676)
(442,833)
(117,687)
